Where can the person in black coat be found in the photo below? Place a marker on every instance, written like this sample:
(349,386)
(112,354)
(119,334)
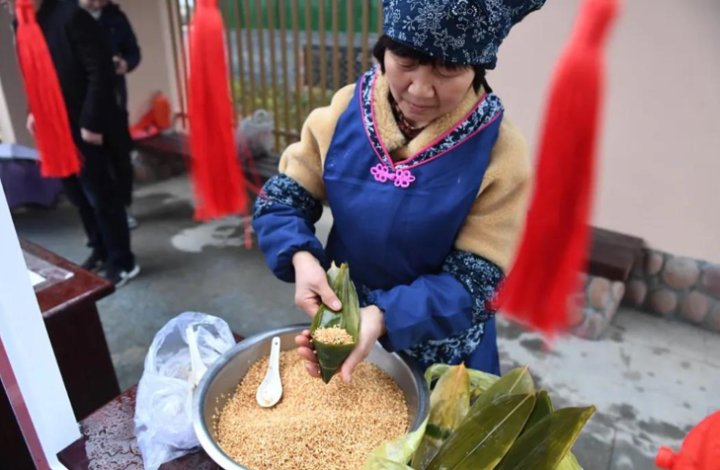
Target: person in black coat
(83,59)
(124,44)
(126,57)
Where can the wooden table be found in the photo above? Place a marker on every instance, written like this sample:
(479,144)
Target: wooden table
(77,338)
(76,333)
(108,442)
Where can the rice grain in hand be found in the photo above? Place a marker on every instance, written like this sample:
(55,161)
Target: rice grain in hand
(333,335)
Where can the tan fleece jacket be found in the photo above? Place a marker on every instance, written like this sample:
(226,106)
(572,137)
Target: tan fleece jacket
(494,223)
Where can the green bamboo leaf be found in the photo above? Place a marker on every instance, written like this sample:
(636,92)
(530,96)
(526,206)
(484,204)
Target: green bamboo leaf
(450,399)
(449,404)
(517,381)
(545,445)
(378,463)
(434,372)
(429,447)
(352,315)
(543,408)
(325,316)
(331,356)
(333,274)
(480,382)
(481,441)
(569,463)
(395,454)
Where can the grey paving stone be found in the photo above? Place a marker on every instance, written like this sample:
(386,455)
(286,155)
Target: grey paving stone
(594,447)
(627,456)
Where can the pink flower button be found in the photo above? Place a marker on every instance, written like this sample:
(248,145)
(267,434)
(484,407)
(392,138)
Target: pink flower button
(401,179)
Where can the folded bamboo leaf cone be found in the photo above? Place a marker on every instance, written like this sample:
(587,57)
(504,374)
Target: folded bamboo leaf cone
(335,334)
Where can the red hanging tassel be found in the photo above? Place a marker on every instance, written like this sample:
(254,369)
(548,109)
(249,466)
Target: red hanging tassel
(58,155)
(218,181)
(554,245)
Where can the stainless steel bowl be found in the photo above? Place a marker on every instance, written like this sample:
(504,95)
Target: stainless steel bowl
(221,380)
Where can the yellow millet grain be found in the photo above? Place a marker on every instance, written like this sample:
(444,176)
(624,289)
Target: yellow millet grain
(315,426)
(333,335)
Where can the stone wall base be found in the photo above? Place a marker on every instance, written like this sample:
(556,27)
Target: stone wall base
(593,309)
(671,287)
(676,287)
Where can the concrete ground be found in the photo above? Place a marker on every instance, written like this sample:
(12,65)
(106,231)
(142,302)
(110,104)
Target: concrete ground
(651,380)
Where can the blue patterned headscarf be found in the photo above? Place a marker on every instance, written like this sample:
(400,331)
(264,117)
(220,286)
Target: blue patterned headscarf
(458,31)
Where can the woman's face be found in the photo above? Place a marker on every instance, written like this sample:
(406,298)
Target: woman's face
(425,92)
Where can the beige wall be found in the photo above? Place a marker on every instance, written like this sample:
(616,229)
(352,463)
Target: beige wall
(150,21)
(660,155)
(13,105)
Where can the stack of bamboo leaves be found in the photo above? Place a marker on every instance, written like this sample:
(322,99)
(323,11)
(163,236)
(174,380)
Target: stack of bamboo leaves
(478,421)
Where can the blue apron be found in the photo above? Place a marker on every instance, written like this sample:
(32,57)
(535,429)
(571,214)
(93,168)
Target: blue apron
(397,221)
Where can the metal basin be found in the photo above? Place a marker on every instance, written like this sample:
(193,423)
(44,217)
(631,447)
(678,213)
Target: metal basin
(221,380)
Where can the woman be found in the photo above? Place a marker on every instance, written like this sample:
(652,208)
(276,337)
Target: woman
(427,182)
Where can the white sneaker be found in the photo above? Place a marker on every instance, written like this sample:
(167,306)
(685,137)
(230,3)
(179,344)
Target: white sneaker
(131,220)
(120,278)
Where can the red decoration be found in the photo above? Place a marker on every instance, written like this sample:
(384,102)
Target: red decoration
(219,184)
(553,248)
(157,119)
(700,450)
(58,155)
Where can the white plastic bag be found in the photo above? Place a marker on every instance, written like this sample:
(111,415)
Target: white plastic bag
(163,412)
(257,131)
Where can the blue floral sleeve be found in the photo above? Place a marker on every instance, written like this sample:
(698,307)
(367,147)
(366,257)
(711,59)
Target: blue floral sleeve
(479,277)
(440,318)
(284,217)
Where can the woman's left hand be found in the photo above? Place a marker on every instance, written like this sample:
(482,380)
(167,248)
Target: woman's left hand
(372,327)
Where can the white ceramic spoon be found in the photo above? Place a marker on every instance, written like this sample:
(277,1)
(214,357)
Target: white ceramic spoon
(270,390)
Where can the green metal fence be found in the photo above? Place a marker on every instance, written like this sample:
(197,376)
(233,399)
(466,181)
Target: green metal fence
(317,9)
(286,56)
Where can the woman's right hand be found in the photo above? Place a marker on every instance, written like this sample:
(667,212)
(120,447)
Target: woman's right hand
(30,124)
(92,138)
(311,285)
(311,289)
